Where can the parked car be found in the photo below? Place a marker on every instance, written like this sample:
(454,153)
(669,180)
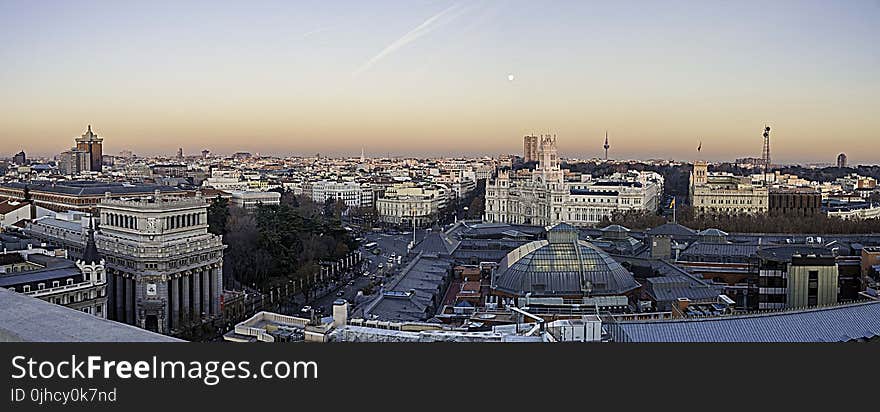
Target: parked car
(340,293)
(305,309)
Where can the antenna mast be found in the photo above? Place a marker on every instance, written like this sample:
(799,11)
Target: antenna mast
(765,156)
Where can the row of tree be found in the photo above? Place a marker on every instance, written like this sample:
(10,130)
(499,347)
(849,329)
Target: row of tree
(275,244)
(760,223)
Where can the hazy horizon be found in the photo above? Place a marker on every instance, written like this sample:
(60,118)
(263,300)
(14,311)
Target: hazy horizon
(445,77)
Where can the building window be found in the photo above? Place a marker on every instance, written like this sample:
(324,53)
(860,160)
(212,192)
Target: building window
(813,288)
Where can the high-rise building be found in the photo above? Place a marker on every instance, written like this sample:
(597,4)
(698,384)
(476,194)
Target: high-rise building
(72,162)
(841,160)
(530,148)
(90,143)
(20,158)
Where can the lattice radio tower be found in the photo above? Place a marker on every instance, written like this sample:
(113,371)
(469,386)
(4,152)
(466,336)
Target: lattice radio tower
(765,156)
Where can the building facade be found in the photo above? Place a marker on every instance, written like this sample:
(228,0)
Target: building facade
(530,148)
(90,143)
(544,197)
(251,199)
(797,277)
(722,193)
(167,270)
(408,204)
(350,192)
(42,274)
(19,159)
(74,161)
(794,202)
(164,268)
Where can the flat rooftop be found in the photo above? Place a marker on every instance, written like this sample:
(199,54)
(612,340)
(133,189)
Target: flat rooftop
(27,319)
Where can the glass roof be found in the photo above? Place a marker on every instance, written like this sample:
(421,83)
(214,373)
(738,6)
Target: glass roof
(562,269)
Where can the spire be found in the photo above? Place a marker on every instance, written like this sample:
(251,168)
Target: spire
(90,254)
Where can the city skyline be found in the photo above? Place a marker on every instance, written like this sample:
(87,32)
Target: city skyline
(445,78)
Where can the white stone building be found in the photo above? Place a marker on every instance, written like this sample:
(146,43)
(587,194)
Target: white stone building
(350,192)
(403,203)
(251,199)
(164,268)
(724,193)
(544,197)
(48,275)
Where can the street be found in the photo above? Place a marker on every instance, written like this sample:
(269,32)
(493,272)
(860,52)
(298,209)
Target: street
(389,245)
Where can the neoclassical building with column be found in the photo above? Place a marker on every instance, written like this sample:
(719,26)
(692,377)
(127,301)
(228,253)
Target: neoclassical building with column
(165,267)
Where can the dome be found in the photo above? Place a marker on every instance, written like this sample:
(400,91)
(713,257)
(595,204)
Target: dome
(561,266)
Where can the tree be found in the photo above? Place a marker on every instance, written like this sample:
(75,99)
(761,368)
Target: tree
(277,244)
(819,224)
(218,215)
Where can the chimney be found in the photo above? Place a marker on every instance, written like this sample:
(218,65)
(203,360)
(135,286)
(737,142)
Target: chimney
(661,247)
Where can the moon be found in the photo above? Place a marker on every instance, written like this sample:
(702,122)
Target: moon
(510,77)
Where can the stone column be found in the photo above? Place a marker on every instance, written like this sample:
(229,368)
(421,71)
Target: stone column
(123,289)
(212,291)
(118,297)
(206,291)
(217,281)
(197,294)
(186,314)
(174,298)
(129,301)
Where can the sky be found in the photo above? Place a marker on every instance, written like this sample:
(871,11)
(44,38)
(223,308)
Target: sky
(449,78)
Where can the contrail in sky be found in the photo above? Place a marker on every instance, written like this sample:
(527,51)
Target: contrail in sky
(429,25)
